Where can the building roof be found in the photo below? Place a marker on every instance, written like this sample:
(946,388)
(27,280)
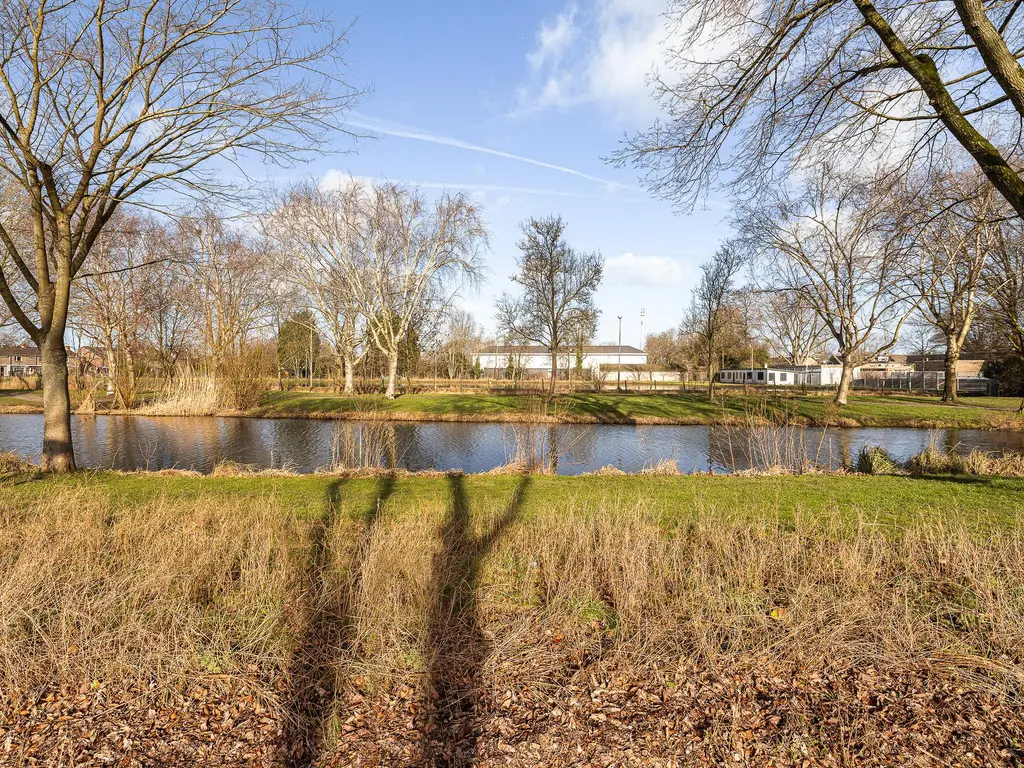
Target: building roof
(23,349)
(638,367)
(538,349)
(783,362)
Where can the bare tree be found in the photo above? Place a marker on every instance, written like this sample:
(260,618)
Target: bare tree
(840,244)
(228,285)
(710,314)
(754,87)
(105,104)
(1004,284)
(954,244)
(459,334)
(790,326)
(319,233)
(170,325)
(415,256)
(113,304)
(667,349)
(6,323)
(582,333)
(558,284)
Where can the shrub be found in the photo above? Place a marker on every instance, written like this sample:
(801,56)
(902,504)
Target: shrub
(875,460)
(243,377)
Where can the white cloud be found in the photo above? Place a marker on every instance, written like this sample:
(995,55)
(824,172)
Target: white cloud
(553,40)
(630,269)
(603,55)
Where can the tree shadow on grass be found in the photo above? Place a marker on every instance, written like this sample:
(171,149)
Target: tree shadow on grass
(326,631)
(457,645)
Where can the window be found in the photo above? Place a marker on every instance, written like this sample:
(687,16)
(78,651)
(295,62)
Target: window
(782,377)
(760,375)
(771,376)
(17,359)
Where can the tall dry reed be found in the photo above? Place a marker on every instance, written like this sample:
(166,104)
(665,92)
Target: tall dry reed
(190,393)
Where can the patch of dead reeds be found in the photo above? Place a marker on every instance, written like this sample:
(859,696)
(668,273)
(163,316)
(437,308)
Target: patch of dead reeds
(189,393)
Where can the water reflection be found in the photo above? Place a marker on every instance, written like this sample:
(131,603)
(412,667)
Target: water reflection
(123,442)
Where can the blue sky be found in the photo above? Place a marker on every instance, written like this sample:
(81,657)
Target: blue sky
(517,103)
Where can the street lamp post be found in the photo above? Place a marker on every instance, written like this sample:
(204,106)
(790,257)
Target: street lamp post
(643,339)
(618,366)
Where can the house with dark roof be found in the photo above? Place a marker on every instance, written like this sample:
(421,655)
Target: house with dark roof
(20,361)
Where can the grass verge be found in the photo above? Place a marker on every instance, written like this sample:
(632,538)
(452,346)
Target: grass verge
(470,620)
(863,410)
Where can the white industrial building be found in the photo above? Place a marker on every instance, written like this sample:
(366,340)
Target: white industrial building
(535,360)
(824,375)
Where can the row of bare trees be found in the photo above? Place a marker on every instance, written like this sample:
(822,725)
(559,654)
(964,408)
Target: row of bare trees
(362,268)
(844,262)
(104,105)
(376,262)
(107,110)
(875,149)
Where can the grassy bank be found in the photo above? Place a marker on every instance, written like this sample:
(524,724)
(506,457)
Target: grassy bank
(863,410)
(510,619)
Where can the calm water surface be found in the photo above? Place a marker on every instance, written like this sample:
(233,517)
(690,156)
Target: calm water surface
(136,442)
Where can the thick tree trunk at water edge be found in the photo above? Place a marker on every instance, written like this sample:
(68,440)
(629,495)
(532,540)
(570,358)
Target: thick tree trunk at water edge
(845,381)
(392,375)
(949,394)
(58,451)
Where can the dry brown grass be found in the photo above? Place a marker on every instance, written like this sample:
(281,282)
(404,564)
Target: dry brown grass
(93,589)
(12,464)
(90,589)
(461,599)
(936,461)
(724,589)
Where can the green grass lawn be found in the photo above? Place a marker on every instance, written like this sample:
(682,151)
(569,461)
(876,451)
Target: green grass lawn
(981,502)
(863,410)
(20,398)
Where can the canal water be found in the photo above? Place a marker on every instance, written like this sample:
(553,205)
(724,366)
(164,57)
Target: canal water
(301,445)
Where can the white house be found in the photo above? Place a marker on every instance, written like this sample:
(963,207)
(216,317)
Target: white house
(822,375)
(535,360)
(759,377)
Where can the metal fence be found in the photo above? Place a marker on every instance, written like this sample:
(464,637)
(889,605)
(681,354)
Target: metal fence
(928,381)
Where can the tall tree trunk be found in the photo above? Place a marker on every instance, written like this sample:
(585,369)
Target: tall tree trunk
(949,393)
(845,381)
(58,451)
(711,372)
(349,364)
(392,373)
(554,371)
(132,385)
(108,352)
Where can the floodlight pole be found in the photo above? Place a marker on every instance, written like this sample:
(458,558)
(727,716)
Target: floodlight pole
(618,367)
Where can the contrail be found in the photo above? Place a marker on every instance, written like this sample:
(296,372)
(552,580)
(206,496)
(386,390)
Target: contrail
(371,124)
